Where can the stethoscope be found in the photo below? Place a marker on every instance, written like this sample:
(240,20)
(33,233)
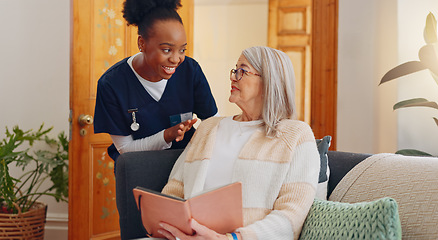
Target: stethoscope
(134,125)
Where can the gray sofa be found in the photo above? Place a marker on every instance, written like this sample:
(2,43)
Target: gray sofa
(150,169)
(354,177)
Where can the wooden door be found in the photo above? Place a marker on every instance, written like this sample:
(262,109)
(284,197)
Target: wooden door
(100,38)
(290,30)
(307,31)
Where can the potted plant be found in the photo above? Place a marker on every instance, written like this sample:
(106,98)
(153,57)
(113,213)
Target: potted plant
(428,55)
(20,212)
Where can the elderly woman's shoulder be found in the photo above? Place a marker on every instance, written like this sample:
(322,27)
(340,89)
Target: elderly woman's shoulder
(293,122)
(210,122)
(288,125)
(213,119)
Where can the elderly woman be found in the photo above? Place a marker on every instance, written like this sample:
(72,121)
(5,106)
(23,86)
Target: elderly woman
(274,156)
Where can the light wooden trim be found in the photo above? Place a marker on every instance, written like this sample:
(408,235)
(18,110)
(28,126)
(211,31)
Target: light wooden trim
(75,167)
(324,69)
(187,14)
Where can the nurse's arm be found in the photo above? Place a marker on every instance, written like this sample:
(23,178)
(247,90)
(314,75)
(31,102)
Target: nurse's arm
(128,144)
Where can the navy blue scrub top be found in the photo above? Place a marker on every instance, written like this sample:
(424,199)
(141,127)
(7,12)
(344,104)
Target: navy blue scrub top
(119,90)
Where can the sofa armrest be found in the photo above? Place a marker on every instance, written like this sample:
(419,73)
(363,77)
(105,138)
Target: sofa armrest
(411,181)
(148,169)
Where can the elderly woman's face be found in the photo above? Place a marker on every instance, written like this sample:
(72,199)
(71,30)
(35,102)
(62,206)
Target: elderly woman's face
(246,92)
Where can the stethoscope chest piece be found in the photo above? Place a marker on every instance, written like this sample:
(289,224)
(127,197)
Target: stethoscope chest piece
(134,125)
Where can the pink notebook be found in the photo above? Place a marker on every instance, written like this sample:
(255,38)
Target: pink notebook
(219,209)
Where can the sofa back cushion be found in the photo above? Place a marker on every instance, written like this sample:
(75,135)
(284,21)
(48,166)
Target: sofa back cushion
(323,145)
(340,163)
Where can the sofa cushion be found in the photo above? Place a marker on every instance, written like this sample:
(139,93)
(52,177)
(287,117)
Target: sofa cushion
(411,181)
(324,173)
(367,220)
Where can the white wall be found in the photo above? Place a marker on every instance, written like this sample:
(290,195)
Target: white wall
(34,80)
(222,29)
(367,49)
(417,129)
(374,37)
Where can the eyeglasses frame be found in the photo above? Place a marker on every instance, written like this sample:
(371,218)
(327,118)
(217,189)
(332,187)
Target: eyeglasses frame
(234,71)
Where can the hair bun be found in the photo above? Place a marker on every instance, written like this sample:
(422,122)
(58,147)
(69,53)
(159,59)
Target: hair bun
(172,4)
(135,10)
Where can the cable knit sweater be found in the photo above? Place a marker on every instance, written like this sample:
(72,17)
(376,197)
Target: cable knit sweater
(279,177)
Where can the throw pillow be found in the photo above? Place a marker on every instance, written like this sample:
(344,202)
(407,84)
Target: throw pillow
(324,173)
(366,220)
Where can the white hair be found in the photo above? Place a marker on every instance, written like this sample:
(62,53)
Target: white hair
(278,78)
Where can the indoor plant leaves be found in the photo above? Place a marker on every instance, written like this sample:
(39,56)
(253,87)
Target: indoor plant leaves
(37,167)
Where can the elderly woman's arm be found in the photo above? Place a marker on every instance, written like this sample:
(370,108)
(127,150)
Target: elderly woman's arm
(175,186)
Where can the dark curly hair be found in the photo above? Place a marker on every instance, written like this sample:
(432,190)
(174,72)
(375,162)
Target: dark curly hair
(144,13)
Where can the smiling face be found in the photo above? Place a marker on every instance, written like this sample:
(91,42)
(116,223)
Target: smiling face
(247,92)
(162,52)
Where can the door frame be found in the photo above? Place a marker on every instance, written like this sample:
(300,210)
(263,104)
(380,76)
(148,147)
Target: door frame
(324,69)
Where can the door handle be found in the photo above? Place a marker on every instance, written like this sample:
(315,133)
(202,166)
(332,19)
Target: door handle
(85,120)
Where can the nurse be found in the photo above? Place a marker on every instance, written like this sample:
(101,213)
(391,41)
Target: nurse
(146,101)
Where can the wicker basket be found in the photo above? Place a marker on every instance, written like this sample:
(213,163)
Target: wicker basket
(28,225)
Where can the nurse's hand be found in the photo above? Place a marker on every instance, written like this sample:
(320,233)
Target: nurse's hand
(177,132)
(201,232)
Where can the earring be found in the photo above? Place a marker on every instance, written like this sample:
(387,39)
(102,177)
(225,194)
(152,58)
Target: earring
(139,49)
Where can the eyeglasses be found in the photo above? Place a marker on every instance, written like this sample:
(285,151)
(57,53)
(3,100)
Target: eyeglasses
(238,73)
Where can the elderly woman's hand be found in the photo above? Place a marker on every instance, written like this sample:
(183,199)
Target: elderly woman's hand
(177,132)
(201,232)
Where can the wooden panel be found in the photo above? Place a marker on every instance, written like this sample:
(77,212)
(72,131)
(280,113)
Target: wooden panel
(187,15)
(131,40)
(110,41)
(292,20)
(290,31)
(108,38)
(324,69)
(103,205)
(300,57)
(294,3)
(294,40)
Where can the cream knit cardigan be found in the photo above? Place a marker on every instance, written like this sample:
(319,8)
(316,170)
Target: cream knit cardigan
(279,177)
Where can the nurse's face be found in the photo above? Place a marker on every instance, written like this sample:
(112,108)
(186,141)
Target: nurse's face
(163,51)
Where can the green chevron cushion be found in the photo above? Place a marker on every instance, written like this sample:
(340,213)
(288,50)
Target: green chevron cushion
(367,220)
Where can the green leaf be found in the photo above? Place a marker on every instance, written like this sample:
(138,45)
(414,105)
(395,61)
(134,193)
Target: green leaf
(43,164)
(430,30)
(415,102)
(412,152)
(402,70)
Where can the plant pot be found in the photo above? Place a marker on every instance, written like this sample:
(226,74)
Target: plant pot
(28,225)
